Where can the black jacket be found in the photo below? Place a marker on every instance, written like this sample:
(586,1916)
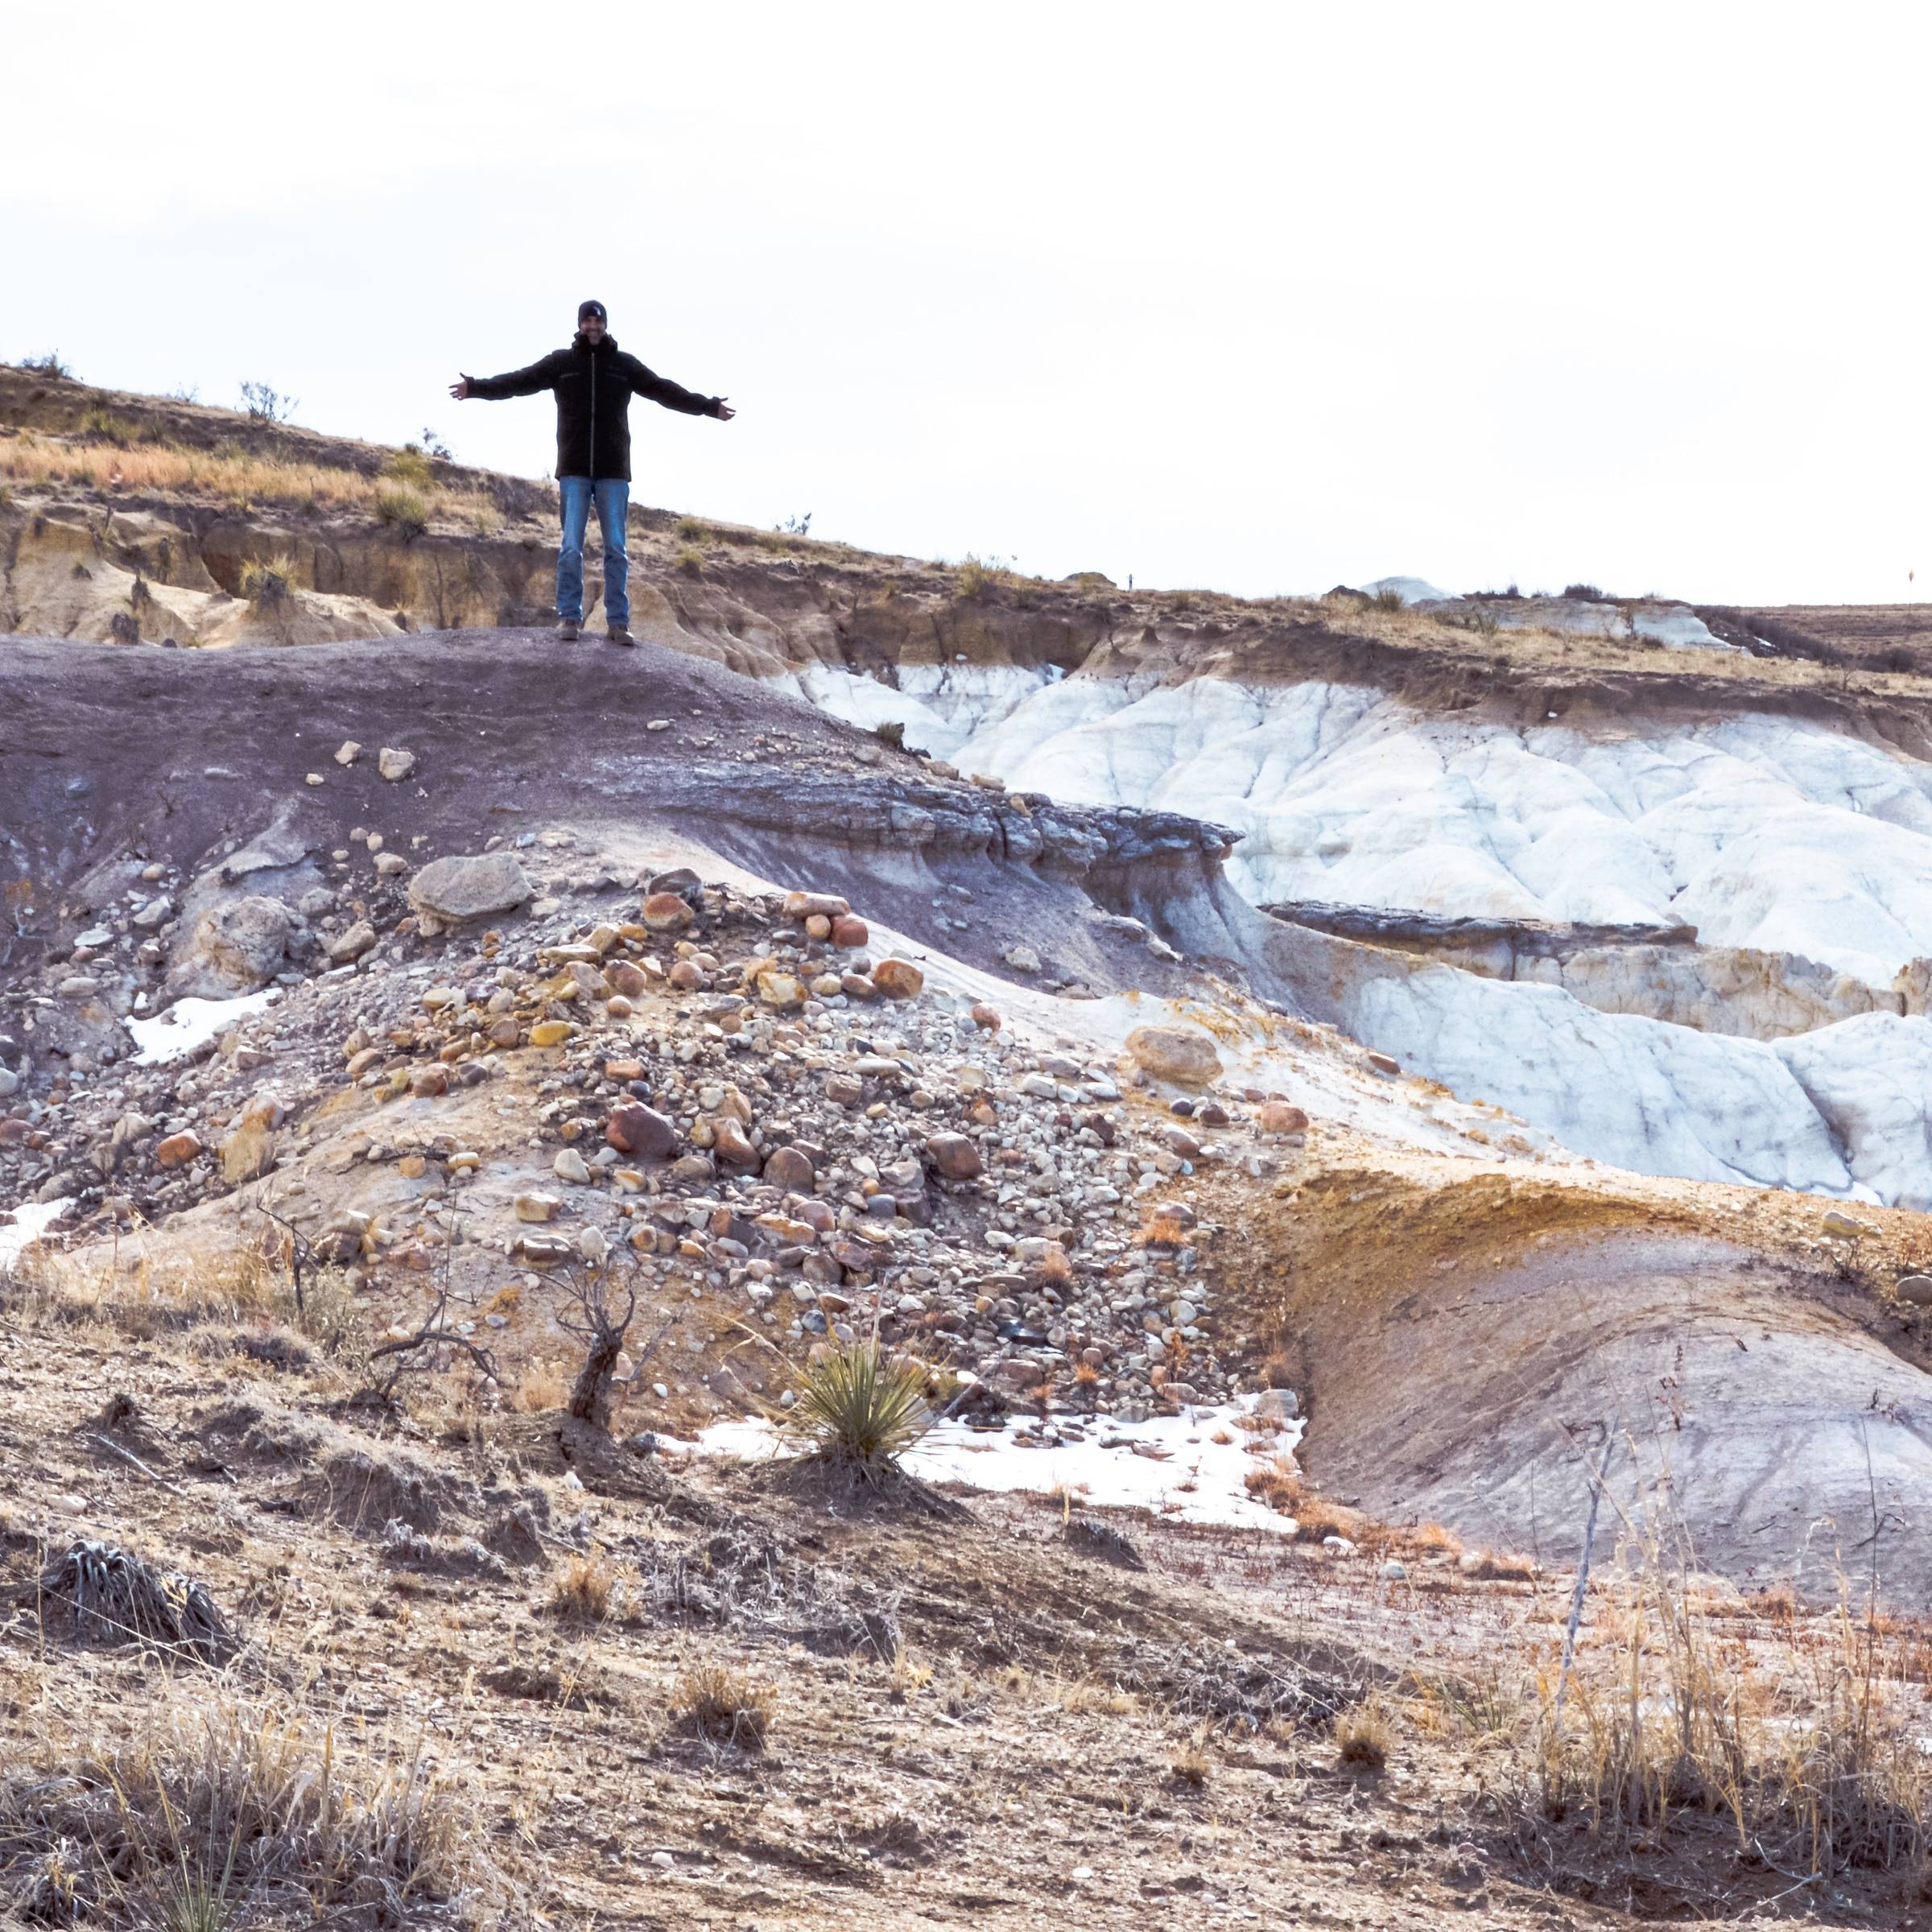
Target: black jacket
(593,389)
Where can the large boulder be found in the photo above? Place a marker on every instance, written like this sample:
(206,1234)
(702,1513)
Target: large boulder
(236,945)
(1183,1054)
(454,889)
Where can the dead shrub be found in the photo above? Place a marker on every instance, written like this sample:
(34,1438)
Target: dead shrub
(198,1807)
(723,1707)
(110,1593)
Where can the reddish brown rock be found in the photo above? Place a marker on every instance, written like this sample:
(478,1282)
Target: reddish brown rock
(635,1129)
(427,1082)
(731,1145)
(1384,1062)
(985,1018)
(625,977)
(858,987)
(665,912)
(178,1149)
(1278,1116)
(793,1232)
(844,1090)
(787,1167)
(898,979)
(849,933)
(955,1156)
(686,977)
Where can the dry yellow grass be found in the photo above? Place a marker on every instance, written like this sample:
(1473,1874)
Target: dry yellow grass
(1364,1737)
(585,1587)
(1189,1766)
(542,1386)
(179,1819)
(724,1706)
(234,477)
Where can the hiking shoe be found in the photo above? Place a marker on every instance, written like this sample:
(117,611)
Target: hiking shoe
(568,632)
(618,635)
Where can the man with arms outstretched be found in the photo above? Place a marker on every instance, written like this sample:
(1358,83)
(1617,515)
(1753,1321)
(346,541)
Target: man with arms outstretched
(594,381)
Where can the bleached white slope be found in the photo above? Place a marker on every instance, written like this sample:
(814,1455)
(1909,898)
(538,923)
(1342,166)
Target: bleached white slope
(1762,832)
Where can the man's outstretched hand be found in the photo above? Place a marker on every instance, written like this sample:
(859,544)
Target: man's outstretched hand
(460,388)
(724,412)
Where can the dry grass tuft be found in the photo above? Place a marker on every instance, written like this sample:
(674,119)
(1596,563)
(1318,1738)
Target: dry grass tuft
(1190,1766)
(689,562)
(723,1707)
(1496,1566)
(268,584)
(1805,1749)
(542,1386)
(585,1587)
(1364,1737)
(409,467)
(1283,1487)
(1055,1270)
(179,1821)
(402,508)
(229,475)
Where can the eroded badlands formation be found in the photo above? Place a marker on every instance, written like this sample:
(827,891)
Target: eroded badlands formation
(1549,973)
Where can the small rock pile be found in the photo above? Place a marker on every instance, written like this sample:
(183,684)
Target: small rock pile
(734,1087)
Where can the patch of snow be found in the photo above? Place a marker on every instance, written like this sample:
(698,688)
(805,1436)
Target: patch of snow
(190,1023)
(30,1221)
(1169,1464)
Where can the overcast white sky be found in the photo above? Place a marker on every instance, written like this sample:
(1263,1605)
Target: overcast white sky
(1259,297)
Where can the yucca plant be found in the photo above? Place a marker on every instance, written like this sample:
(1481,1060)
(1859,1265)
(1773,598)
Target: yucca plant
(858,1406)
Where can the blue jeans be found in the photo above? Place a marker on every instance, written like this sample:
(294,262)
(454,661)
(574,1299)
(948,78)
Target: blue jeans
(612,495)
